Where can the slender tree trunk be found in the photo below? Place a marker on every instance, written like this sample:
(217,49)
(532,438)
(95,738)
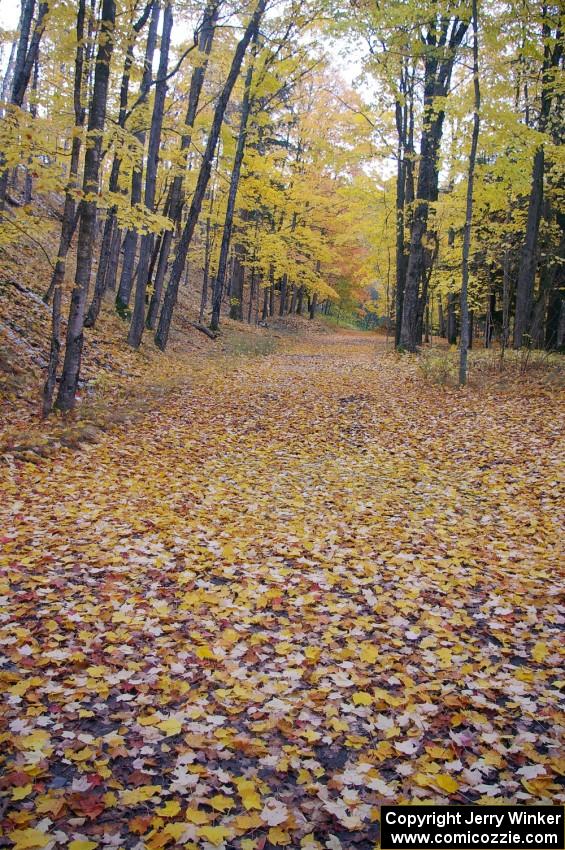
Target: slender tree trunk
(282,301)
(207,255)
(238,273)
(313,305)
(87,227)
(162,335)
(300,304)
(265,310)
(528,259)
(232,194)
(7,82)
(464,305)
(441,318)
(28,184)
(26,56)
(112,238)
(176,194)
(404,115)
(451,319)
(130,240)
(555,308)
(441,46)
(55,289)
(206,38)
(251,295)
(138,316)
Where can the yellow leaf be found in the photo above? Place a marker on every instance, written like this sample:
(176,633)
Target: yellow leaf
(251,800)
(27,838)
(540,651)
(276,835)
(444,656)
(422,779)
(171,726)
(22,791)
(175,829)
(82,844)
(204,652)
(369,653)
(362,698)
(169,810)
(35,740)
(447,783)
(196,816)
(214,834)
(139,795)
(312,653)
(150,720)
(221,803)
(248,821)
(82,755)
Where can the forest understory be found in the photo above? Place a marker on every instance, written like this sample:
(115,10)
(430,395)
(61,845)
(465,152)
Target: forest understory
(309,584)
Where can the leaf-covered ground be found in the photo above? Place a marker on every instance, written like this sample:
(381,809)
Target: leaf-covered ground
(308,586)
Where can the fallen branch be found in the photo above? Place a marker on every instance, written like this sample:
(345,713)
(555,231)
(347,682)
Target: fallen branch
(203,329)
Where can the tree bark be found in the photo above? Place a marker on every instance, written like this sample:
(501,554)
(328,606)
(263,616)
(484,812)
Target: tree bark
(176,200)
(313,305)
(112,238)
(87,228)
(442,41)
(55,289)
(138,316)
(451,319)
(465,339)
(162,335)
(26,56)
(232,195)
(236,298)
(130,240)
(528,259)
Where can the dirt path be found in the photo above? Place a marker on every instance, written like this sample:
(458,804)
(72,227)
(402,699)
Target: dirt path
(307,587)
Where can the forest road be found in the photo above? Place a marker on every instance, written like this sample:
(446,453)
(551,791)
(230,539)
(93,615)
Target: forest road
(304,587)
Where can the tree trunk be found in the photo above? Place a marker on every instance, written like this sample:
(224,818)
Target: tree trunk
(528,259)
(232,194)
(55,289)
(282,297)
(162,335)
(464,305)
(451,319)
(238,273)
(112,238)
(313,305)
(138,317)
(489,319)
(28,185)
(130,240)
(207,255)
(441,319)
(251,296)
(176,200)
(26,56)
(442,41)
(87,227)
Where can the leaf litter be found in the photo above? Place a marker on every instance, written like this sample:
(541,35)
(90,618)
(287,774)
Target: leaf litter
(304,588)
